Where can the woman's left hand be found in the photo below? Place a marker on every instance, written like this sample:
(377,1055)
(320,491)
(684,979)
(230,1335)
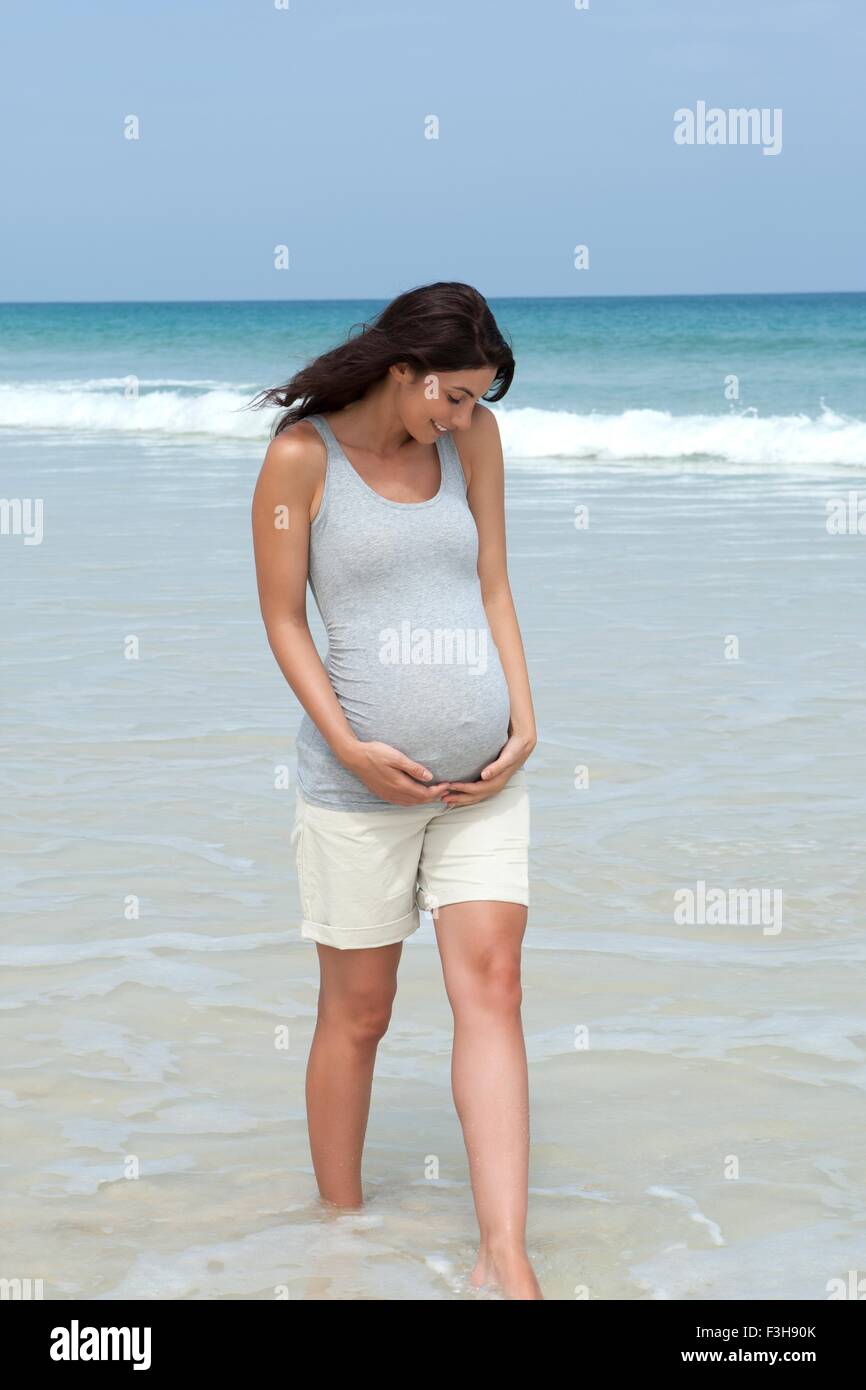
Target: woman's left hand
(495,775)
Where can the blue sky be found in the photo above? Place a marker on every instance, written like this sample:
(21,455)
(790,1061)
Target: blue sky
(305,127)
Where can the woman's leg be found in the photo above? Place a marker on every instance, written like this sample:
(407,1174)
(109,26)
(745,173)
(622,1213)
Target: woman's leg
(479,944)
(356,992)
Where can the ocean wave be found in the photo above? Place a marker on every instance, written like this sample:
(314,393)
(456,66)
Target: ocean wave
(187,410)
(653,435)
(528,433)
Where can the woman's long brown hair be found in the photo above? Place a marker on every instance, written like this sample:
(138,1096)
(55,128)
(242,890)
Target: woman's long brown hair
(444,327)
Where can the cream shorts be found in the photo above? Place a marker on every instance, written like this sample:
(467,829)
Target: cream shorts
(364,875)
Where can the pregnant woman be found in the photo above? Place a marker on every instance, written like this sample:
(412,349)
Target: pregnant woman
(411,787)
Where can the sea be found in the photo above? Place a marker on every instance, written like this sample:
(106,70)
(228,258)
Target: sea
(686,515)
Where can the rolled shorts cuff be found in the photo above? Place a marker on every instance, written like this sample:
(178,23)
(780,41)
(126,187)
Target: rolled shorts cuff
(352,938)
(516,893)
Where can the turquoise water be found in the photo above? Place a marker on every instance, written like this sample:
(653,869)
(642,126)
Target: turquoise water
(586,364)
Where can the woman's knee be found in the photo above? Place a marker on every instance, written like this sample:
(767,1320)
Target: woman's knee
(491,985)
(363,1014)
(357,991)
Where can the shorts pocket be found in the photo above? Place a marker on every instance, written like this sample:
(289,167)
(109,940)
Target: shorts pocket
(297,838)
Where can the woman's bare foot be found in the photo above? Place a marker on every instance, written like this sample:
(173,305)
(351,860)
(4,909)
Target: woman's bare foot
(509,1270)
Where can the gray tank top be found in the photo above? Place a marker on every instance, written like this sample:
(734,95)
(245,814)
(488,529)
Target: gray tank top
(410,655)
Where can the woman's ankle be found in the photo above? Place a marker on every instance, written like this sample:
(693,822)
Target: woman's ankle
(503,1249)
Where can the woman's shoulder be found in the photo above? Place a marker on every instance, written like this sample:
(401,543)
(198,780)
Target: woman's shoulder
(296,443)
(294,466)
(297,453)
(483,424)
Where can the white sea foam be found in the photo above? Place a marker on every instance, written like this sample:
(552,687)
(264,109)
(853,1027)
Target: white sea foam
(185,411)
(169,407)
(780,441)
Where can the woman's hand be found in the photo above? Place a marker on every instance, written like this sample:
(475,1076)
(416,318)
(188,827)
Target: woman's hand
(389,774)
(495,775)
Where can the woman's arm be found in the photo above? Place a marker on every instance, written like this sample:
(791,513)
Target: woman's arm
(290,478)
(481,454)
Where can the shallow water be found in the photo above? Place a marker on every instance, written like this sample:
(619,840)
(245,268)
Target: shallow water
(659,1052)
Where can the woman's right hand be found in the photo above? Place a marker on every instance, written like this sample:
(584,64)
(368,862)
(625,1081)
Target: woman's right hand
(389,774)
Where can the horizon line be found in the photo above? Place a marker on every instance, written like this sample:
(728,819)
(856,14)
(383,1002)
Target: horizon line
(514,298)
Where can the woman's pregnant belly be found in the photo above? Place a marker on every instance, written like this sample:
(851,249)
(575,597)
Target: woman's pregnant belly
(439,695)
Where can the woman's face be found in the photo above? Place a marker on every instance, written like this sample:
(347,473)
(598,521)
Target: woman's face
(434,402)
